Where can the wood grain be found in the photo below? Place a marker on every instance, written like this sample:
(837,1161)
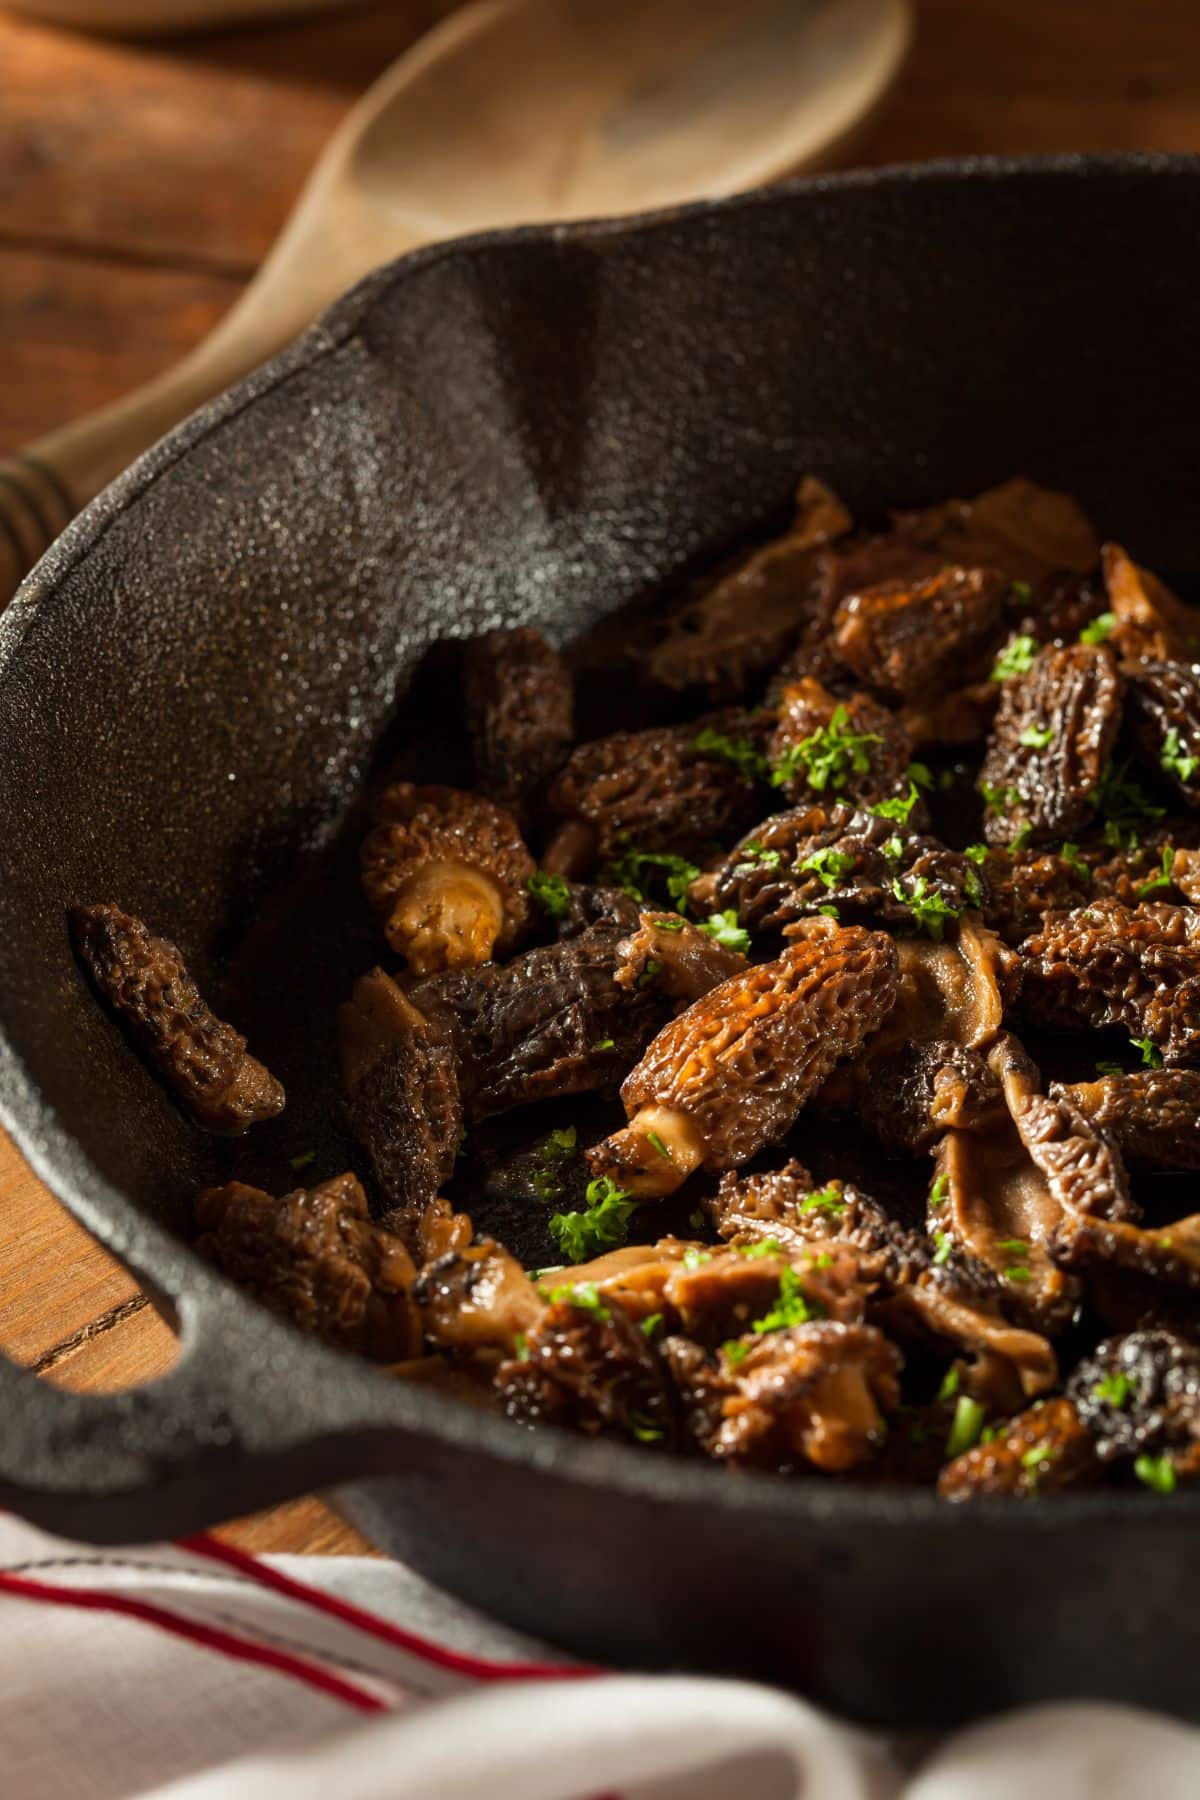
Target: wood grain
(140,184)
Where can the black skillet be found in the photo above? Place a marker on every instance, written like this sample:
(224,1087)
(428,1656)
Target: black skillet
(540,426)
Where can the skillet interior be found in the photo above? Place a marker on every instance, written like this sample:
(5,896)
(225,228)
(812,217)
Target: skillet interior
(539,427)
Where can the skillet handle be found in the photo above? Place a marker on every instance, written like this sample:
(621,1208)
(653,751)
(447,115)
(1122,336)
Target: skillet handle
(251,1415)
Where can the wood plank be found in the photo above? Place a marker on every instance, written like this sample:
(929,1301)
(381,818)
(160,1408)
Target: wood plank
(304,1527)
(184,151)
(75,332)
(128,1351)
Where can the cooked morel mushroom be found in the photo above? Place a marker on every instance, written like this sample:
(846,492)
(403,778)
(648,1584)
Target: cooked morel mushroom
(1152,1115)
(1050,746)
(829,750)
(678,959)
(520,706)
(730,1074)
(908,639)
(316,1257)
(1148,621)
(1163,712)
(448,873)
(1041,1451)
(145,981)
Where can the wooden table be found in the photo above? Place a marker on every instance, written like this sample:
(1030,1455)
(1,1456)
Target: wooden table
(142,184)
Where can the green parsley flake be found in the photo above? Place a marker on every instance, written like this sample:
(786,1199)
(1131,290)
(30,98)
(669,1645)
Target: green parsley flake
(1115,1389)
(551,892)
(965,1427)
(736,1350)
(945,1247)
(1036,737)
(650,1326)
(1175,760)
(1163,876)
(1021,838)
(653,1139)
(670,922)
(634,868)
(826,757)
(604,1044)
(584,1296)
(648,975)
(756,855)
(602,1226)
(745,757)
(790,1308)
(830,912)
(1110,1068)
(826,1200)
(894,849)
(899,808)
(1122,802)
(1151,1054)
(976,853)
(693,1259)
(1016,658)
(1158,1472)
(723,928)
(1099,630)
(996,799)
(521,1346)
(929,911)
(1071,856)
(303,1161)
(827,865)
(920,773)
(939,1193)
(764,1247)
(951,1383)
(1040,1457)
(644,1429)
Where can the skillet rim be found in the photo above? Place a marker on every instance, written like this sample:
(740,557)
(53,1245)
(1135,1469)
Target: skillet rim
(409,1412)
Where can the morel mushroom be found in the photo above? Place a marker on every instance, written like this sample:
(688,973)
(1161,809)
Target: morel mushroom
(680,960)
(1163,712)
(520,706)
(1042,1451)
(730,1074)
(145,981)
(585,1362)
(1108,964)
(1150,623)
(1139,1396)
(867,868)
(828,749)
(316,1257)
(1152,1115)
(743,619)
(402,1095)
(908,639)
(671,790)
(475,1299)
(1022,886)
(449,875)
(1050,745)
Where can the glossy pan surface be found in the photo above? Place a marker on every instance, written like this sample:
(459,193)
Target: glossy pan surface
(540,427)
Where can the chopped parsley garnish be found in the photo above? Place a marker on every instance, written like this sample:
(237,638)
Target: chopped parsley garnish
(1122,802)
(584,1296)
(604,1044)
(656,1143)
(1018,1272)
(894,849)
(303,1160)
(920,773)
(1036,737)
(1021,837)
(649,974)
(1163,876)
(670,922)
(790,1308)
(899,808)
(1016,1246)
(744,755)
(1115,1389)
(723,928)
(1151,1054)
(830,912)
(951,1383)
(602,1225)
(692,1259)
(1021,590)
(1016,658)
(650,1326)
(1071,856)
(945,1247)
(1175,760)
(826,1200)
(1099,629)
(552,1153)
(551,892)
(997,798)
(939,1193)
(1110,1068)
(1158,1472)
(929,910)
(1016,1251)
(973,888)
(826,757)
(633,869)
(736,1350)
(976,853)
(696,1220)
(764,1247)
(1039,1457)
(521,1346)
(827,865)
(965,1427)
(644,1429)
(756,854)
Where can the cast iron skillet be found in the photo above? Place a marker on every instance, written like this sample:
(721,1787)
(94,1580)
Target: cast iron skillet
(539,426)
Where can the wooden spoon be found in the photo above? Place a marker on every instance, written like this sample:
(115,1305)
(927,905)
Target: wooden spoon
(505,114)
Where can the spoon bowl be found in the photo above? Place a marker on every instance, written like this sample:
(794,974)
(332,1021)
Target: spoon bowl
(509,112)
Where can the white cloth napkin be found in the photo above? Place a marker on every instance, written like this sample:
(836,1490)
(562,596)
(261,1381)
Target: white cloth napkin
(189,1672)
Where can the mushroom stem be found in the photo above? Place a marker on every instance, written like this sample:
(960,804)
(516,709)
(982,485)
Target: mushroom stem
(653,1156)
(446,916)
